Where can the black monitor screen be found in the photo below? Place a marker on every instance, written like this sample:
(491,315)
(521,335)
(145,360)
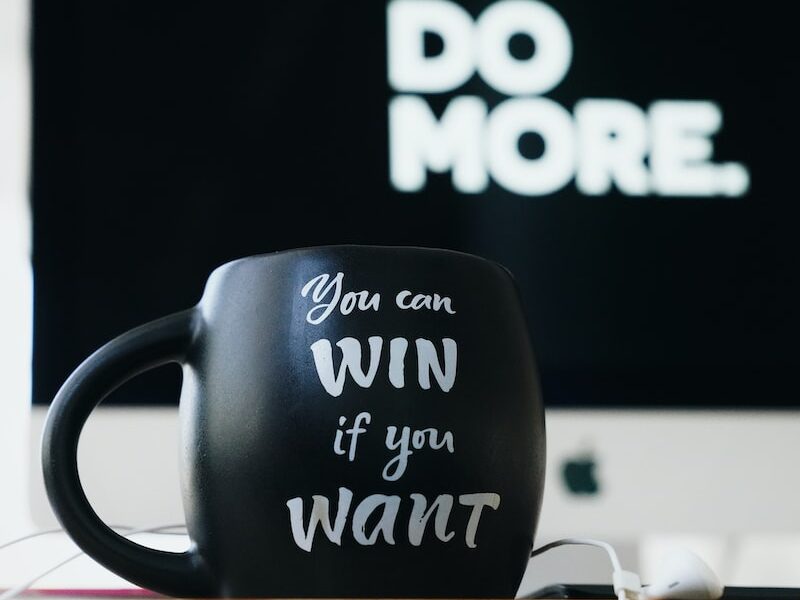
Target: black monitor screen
(630,162)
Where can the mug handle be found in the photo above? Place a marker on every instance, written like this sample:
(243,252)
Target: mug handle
(162,341)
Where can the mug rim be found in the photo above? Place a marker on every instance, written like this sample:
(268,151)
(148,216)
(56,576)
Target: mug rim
(401,248)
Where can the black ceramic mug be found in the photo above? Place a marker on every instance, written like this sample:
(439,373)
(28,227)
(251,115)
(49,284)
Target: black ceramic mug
(355,421)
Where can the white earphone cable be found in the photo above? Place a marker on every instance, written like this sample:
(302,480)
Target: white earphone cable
(31,536)
(612,554)
(627,585)
(129,531)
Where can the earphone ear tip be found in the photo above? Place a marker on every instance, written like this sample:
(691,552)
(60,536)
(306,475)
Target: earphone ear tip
(685,576)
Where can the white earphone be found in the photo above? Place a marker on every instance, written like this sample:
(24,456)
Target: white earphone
(683,575)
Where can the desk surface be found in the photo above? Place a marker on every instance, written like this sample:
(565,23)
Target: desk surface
(585,592)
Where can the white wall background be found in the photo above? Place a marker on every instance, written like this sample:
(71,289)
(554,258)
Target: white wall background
(15,279)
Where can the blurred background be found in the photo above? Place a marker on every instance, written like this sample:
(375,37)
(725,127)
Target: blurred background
(631,163)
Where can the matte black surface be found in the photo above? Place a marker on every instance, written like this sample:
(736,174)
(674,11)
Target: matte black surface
(258,429)
(171,138)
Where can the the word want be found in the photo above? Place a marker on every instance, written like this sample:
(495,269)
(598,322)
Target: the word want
(389,506)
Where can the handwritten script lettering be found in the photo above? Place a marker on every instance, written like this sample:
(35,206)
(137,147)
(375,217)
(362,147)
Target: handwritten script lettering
(408,442)
(327,296)
(384,527)
(373,519)
(428,363)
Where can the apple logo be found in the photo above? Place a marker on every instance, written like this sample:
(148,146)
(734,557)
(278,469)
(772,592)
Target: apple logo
(578,474)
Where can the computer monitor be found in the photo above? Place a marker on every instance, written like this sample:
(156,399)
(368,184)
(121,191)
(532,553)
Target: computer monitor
(628,162)
(631,163)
